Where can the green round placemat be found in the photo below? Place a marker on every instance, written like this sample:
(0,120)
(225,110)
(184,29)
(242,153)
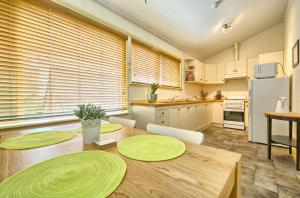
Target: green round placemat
(107,128)
(110,127)
(35,140)
(85,174)
(151,147)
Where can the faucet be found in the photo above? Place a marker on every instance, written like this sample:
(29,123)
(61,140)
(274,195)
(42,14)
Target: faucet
(195,97)
(173,99)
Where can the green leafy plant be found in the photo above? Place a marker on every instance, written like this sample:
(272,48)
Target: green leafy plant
(153,88)
(89,112)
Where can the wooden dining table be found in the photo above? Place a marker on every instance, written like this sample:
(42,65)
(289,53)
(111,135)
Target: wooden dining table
(201,171)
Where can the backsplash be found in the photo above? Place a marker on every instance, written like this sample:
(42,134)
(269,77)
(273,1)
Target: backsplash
(237,87)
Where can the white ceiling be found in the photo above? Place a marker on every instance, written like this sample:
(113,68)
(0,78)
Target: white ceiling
(194,27)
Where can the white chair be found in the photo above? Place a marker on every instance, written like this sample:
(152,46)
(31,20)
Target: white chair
(126,122)
(185,135)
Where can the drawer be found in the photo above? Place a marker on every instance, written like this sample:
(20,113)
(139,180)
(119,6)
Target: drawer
(162,113)
(162,121)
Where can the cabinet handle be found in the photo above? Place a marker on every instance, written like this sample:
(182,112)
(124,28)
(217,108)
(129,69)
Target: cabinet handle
(163,113)
(162,122)
(188,107)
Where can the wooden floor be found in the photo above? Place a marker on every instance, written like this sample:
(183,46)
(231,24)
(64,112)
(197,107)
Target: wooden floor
(260,177)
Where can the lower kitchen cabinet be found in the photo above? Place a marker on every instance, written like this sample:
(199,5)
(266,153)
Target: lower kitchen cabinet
(190,117)
(174,117)
(218,118)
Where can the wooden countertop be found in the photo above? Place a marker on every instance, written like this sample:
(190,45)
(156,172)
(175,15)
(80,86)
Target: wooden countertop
(287,115)
(167,103)
(201,171)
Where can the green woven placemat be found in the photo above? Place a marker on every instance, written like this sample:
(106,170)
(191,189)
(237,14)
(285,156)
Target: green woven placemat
(35,140)
(151,147)
(79,175)
(107,128)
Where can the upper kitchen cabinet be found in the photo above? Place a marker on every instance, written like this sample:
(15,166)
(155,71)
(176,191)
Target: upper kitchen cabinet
(196,68)
(220,73)
(214,73)
(273,57)
(210,73)
(236,69)
(250,64)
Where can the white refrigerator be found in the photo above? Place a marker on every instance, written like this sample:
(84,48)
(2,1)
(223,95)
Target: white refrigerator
(263,94)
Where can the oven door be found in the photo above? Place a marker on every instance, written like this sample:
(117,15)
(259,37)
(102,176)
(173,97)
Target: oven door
(235,116)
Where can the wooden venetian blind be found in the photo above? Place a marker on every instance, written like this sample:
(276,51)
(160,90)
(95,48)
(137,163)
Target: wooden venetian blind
(51,61)
(152,66)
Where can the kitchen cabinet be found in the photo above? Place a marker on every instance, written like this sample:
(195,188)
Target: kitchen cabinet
(220,73)
(174,117)
(190,117)
(210,73)
(273,57)
(237,69)
(217,117)
(250,66)
(207,112)
(198,70)
(246,114)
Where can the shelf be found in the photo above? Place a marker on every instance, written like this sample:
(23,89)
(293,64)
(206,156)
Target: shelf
(194,82)
(285,140)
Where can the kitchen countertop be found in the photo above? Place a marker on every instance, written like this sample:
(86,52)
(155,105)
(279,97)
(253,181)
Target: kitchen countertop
(162,103)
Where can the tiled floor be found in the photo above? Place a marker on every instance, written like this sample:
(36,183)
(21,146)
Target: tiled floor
(260,177)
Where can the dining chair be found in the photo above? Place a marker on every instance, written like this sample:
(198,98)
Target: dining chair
(126,122)
(185,135)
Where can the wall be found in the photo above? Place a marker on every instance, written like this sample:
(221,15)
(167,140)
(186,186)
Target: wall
(99,13)
(268,41)
(291,34)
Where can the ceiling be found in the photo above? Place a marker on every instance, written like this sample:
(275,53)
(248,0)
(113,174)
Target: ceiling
(194,26)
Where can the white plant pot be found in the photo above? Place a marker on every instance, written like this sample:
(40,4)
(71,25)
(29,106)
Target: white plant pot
(90,130)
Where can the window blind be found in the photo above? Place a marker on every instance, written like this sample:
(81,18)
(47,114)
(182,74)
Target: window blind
(51,60)
(149,65)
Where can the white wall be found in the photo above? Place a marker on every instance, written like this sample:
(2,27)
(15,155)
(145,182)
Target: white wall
(268,41)
(99,13)
(291,34)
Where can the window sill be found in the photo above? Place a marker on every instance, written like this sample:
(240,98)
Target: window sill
(48,120)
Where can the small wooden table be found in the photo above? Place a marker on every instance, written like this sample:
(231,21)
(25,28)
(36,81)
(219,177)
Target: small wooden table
(201,171)
(284,140)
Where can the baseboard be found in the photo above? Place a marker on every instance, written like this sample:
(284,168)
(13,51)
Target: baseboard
(217,125)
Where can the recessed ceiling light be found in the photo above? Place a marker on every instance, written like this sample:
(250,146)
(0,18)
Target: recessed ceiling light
(226,27)
(216,4)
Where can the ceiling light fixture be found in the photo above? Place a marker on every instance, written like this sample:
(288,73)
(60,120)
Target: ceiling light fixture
(216,4)
(226,27)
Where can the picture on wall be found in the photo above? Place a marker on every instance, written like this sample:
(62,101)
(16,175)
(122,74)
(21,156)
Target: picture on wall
(295,54)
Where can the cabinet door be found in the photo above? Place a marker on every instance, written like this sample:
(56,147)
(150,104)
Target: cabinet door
(218,113)
(246,114)
(210,73)
(220,73)
(273,57)
(250,64)
(174,117)
(241,66)
(184,120)
(230,68)
(202,70)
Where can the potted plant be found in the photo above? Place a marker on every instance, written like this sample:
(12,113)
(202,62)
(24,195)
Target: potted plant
(90,116)
(152,96)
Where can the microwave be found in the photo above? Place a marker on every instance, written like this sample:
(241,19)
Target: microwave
(267,70)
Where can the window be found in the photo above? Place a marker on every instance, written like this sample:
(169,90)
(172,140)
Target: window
(150,65)
(52,60)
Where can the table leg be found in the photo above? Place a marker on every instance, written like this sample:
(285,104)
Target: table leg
(269,124)
(290,134)
(298,145)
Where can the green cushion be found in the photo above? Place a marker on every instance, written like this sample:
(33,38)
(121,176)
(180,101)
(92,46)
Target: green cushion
(151,147)
(78,175)
(35,140)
